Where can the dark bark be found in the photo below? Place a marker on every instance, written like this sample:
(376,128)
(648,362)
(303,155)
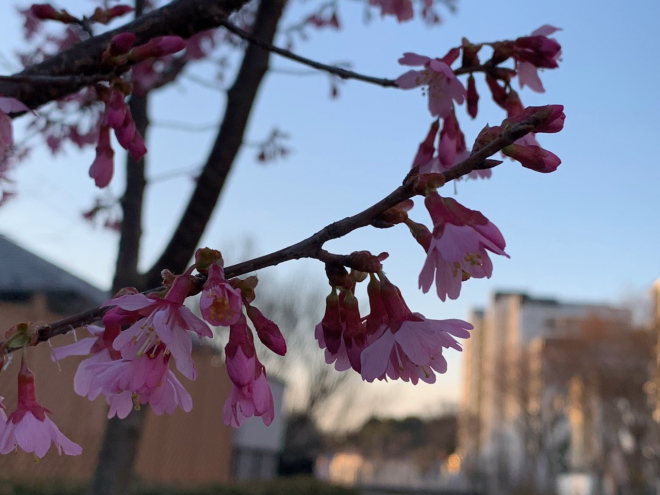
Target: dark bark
(115,465)
(181,17)
(240,99)
(116,461)
(126,272)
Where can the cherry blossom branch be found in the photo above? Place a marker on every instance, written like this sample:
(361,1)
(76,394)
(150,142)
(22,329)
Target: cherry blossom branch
(181,18)
(332,69)
(312,247)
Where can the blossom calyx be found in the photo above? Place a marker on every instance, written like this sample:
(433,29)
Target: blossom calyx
(246,286)
(22,335)
(204,257)
(395,215)
(364,261)
(338,275)
(427,183)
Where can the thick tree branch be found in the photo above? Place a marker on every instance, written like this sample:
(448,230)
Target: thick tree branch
(312,246)
(181,17)
(116,460)
(240,100)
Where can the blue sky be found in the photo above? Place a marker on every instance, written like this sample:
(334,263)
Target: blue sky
(587,232)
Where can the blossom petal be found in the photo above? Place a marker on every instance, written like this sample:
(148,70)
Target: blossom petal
(375,357)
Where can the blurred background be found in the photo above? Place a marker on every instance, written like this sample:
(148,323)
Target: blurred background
(556,392)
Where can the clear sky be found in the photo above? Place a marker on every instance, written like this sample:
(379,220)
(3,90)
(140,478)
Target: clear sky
(587,232)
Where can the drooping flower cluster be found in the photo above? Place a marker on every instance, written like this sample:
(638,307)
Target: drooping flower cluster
(28,427)
(458,248)
(117,115)
(391,341)
(442,86)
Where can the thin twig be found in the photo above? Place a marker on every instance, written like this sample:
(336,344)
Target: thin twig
(332,69)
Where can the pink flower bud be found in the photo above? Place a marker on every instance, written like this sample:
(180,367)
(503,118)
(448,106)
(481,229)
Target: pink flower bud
(102,168)
(268,332)
(121,44)
(44,11)
(533,157)
(158,47)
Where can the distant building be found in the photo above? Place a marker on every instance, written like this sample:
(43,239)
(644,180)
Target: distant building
(506,385)
(186,449)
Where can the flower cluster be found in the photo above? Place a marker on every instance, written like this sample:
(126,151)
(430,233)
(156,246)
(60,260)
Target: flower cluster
(391,341)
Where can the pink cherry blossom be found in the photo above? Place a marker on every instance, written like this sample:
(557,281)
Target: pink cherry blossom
(459,246)
(146,379)
(443,87)
(402,9)
(451,148)
(343,339)
(534,52)
(254,399)
(241,356)
(29,427)
(165,320)
(100,345)
(220,303)
(408,346)
(338,357)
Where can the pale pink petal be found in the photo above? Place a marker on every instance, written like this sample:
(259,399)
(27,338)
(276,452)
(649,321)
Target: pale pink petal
(427,273)
(32,435)
(132,302)
(82,380)
(12,105)
(417,343)
(194,323)
(528,75)
(80,348)
(545,30)
(240,368)
(375,357)
(413,59)
(62,443)
(120,404)
(457,241)
(183,397)
(411,79)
